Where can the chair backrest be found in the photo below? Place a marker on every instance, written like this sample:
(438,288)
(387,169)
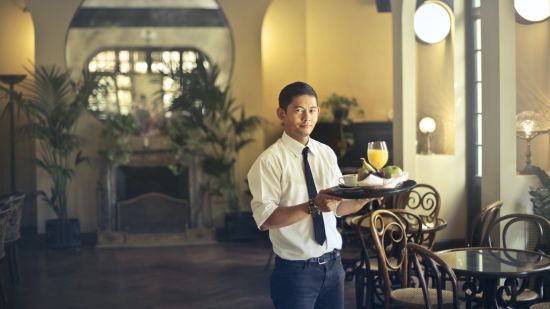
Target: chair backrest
(389,235)
(13,227)
(530,231)
(433,273)
(481,224)
(6,210)
(423,199)
(413,224)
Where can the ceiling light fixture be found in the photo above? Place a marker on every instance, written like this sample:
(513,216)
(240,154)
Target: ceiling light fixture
(432,22)
(533,10)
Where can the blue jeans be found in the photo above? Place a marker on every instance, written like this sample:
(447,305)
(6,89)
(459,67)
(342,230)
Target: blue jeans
(305,285)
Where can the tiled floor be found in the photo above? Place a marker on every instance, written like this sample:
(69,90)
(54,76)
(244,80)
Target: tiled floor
(228,275)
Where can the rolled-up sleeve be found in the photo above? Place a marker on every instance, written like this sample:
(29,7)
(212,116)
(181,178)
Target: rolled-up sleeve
(265,185)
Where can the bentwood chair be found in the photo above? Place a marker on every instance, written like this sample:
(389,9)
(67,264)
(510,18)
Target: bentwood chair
(389,236)
(533,232)
(368,284)
(425,201)
(13,233)
(483,221)
(434,276)
(5,212)
(545,305)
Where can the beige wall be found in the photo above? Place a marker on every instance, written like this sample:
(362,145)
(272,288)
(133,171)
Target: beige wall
(16,53)
(342,47)
(245,19)
(533,85)
(435,93)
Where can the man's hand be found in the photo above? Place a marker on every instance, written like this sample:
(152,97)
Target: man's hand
(327,202)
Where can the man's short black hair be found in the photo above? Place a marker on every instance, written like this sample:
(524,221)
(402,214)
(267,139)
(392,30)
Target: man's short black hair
(293,90)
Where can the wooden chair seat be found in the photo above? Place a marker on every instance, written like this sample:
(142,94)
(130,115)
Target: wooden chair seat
(413,298)
(541,306)
(526,296)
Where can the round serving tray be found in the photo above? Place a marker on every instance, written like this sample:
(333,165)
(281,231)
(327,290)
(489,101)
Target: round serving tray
(365,192)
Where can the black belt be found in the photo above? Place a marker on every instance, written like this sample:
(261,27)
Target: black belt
(323,259)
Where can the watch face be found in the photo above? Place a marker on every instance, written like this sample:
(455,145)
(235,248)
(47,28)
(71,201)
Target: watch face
(313,209)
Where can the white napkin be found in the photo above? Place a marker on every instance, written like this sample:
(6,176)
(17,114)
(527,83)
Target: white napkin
(373,181)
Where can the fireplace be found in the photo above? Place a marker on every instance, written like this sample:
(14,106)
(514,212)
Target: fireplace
(132,181)
(143,197)
(152,199)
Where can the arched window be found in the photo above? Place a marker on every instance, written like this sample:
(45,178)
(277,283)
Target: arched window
(139,79)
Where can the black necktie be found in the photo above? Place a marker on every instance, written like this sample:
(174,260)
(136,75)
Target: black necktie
(318,223)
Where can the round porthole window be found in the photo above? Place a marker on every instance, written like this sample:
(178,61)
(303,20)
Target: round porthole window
(533,10)
(432,22)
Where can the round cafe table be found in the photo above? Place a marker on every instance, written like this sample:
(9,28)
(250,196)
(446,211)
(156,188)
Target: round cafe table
(488,265)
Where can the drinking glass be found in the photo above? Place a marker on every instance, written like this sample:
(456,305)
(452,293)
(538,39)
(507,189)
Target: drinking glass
(377,153)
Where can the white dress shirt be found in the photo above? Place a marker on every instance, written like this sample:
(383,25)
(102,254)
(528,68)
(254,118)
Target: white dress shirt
(276,179)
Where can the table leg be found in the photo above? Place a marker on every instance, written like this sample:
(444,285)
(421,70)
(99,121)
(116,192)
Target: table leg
(489,288)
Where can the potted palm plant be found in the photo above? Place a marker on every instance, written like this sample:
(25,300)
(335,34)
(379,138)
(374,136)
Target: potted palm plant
(340,107)
(540,198)
(54,104)
(209,123)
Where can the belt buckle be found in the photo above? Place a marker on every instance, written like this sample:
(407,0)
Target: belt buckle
(322,260)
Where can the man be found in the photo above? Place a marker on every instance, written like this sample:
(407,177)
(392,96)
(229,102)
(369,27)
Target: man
(284,182)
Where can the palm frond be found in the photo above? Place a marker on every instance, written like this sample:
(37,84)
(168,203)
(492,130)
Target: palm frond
(54,104)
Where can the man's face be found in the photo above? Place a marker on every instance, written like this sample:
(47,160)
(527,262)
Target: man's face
(300,117)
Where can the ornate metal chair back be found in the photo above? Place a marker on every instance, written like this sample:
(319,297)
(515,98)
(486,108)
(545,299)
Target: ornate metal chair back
(423,199)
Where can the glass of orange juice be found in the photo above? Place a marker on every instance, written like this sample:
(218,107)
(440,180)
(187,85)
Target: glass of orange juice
(377,153)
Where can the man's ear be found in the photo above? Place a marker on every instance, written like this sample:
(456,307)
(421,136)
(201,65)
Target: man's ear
(281,113)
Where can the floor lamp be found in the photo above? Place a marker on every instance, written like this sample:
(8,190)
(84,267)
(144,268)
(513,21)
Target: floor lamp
(12,80)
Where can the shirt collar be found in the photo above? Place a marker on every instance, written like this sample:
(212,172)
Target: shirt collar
(296,147)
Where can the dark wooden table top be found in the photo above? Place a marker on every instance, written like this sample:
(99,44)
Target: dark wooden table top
(495,262)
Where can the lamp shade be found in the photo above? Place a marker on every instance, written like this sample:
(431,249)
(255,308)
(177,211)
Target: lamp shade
(530,123)
(533,10)
(432,22)
(427,125)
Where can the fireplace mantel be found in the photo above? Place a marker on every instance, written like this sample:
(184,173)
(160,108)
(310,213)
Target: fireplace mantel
(150,158)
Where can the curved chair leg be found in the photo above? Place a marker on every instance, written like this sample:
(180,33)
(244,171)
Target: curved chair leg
(3,290)
(13,267)
(360,285)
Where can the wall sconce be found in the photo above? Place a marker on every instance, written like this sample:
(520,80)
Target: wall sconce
(427,126)
(532,10)
(432,21)
(529,125)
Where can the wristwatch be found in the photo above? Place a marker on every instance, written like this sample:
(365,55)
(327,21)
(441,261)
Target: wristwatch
(312,208)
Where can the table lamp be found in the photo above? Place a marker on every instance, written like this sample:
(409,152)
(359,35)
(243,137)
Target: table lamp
(427,126)
(529,125)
